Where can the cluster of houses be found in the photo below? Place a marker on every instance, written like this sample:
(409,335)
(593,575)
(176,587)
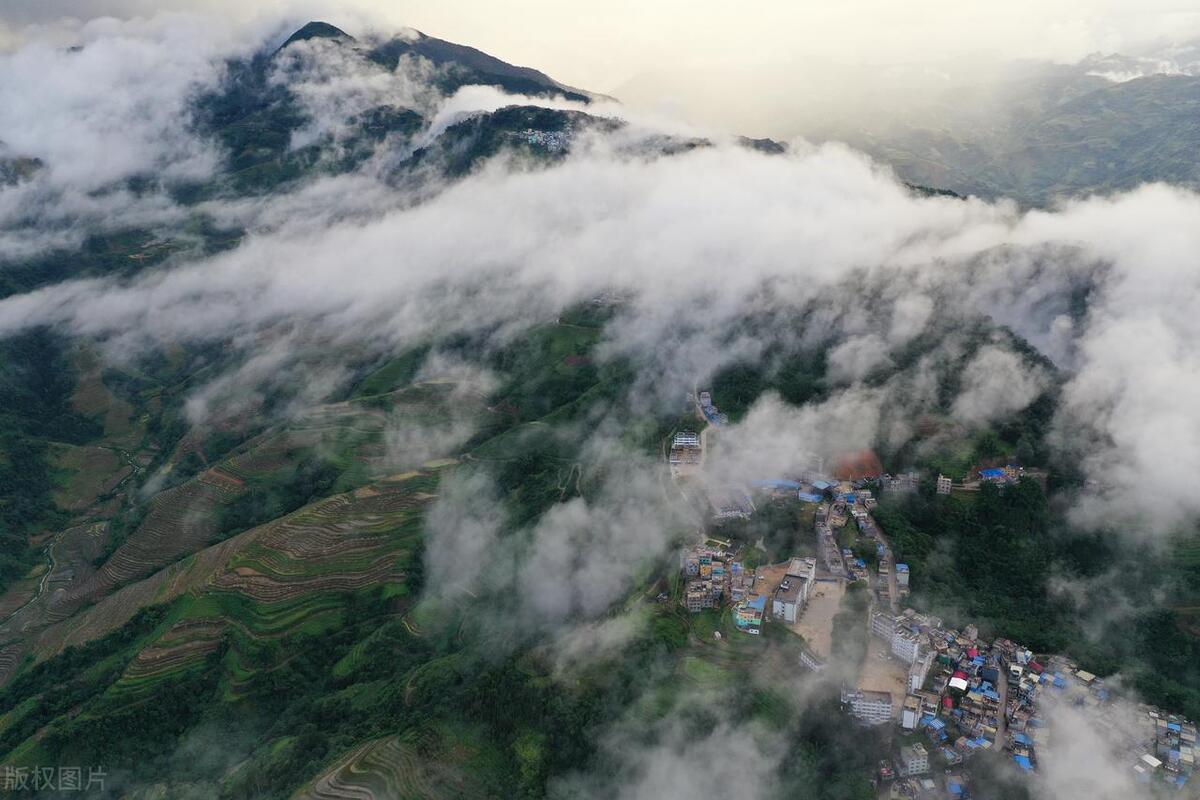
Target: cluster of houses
(710,411)
(707,574)
(965,695)
(554,141)
(1010,474)
(712,576)
(1000,475)
(784,602)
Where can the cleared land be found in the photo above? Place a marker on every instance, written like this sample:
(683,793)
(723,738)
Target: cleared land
(816,623)
(883,672)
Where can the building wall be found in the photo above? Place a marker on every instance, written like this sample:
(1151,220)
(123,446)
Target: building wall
(905,647)
(883,625)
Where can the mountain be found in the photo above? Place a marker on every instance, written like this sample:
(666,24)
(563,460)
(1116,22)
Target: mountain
(341,466)
(1057,136)
(1032,131)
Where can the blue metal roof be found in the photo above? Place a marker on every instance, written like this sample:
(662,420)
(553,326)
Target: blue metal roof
(776,484)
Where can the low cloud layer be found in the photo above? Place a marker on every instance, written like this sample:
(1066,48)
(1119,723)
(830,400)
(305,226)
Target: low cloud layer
(696,241)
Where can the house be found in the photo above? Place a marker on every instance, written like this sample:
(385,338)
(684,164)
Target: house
(902,574)
(873,708)
(699,595)
(708,577)
(748,615)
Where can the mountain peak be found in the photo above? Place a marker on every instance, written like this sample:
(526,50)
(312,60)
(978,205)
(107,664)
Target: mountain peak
(317,30)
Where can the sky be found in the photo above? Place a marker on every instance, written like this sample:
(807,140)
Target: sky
(603,46)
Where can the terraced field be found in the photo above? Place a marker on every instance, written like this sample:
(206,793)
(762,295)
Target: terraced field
(270,580)
(181,520)
(184,645)
(424,767)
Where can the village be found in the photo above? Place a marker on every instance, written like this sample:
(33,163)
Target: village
(945,694)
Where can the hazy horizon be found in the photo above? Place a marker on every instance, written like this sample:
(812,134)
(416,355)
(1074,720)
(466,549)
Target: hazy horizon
(604,47)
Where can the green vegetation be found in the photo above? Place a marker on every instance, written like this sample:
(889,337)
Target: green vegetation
(783,525)
(36,384)
(311,479)
(989,556)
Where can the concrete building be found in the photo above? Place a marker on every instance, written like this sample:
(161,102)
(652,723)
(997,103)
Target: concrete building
(874,708)
(902,482)
(708,577)
(919,671)
(883,625)
(748,615)
(914,760)
(811,661)
(789,598)
(906,647)
(699,595)
(686,439)
(944,484)
(910,713)
(902,574)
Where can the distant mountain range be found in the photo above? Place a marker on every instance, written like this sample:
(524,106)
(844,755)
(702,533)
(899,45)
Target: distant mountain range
(1055,133)
(1032,131)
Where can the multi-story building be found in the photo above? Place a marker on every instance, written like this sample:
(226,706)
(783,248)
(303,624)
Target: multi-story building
(699,595)
(686,439)
(910,713)
(914,760)
(708,577)
(883,625)
(874,708)
(748,615)
(902,482)
(906,647)
(919,671)
(789,599)
(944,484)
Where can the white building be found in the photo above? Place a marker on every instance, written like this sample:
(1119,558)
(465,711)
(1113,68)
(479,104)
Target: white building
(874,708)
(914,760)
(906,647)
(919,671)
(910,713)
(686,439)
(883,625)
(789,599)
(943,484)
